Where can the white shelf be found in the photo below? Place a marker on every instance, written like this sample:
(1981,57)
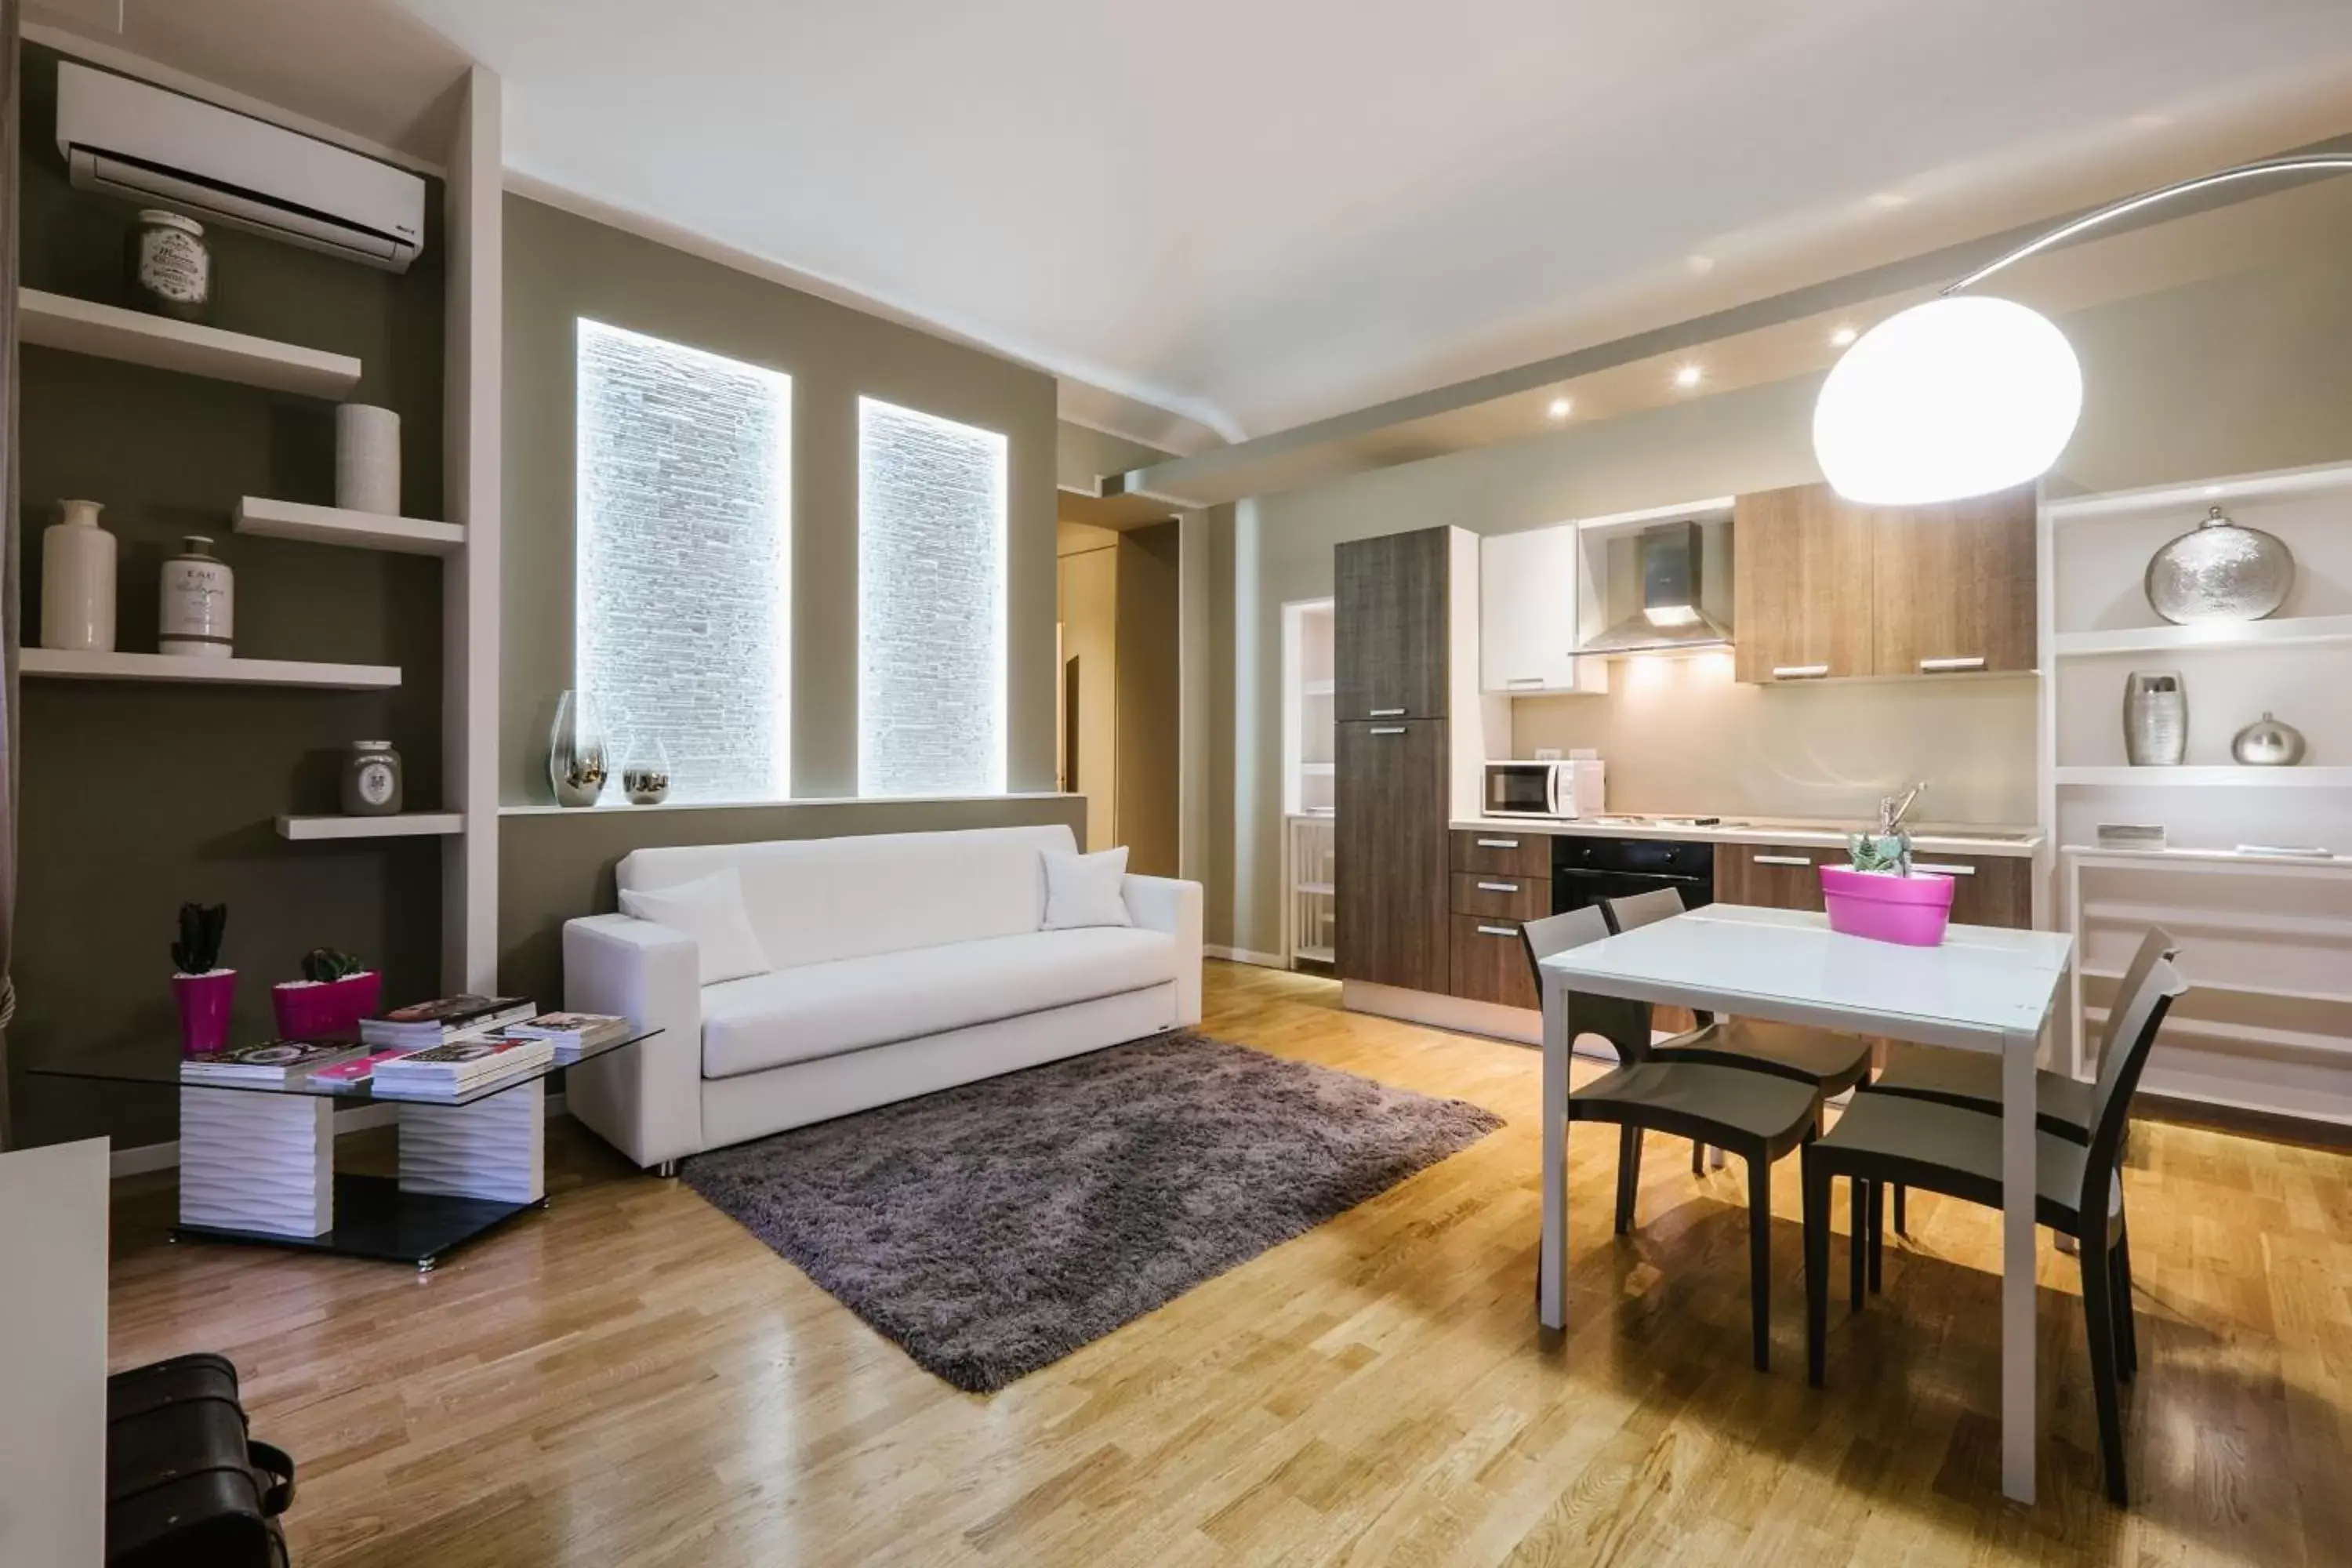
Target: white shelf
(2230,777)
(1317,954)
(2298,1041)
(2282,992)
(408,824)
(335,525)
(110,331)
(2279,485)
(2191,860)
(1316,687)
(2294,631)
(1324,888)
(62,665)
(1318,769)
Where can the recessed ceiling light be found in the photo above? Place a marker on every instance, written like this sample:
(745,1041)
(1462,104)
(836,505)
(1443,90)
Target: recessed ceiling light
(1689,375)
(1560,408)
(1842,336)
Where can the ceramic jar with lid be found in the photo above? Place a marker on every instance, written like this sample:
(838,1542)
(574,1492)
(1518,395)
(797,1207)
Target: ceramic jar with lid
(170,265)
(372,780)
(198,613)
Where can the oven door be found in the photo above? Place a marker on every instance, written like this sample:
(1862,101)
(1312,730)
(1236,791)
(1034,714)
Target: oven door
(1576,889)
(1516,789)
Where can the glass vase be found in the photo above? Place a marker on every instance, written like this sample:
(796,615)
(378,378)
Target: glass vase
(577,763)
(645,772)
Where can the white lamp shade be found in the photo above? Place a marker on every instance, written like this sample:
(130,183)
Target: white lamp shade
(1957,398)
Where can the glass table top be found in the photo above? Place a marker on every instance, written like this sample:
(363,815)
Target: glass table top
(157,1062)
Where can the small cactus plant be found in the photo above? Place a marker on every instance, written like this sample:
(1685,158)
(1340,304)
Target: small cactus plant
(199,950)
(324,965)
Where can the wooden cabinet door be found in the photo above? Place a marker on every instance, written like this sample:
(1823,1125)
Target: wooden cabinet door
(1987,889)
(1498,897)
(1772,876)
(1391,844)
(1389,598)
(1490,963)
(1955,585)
(1526,610)
(1802,588)
(1512,852)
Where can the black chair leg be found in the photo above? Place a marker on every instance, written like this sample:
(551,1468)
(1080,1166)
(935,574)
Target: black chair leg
(2126,1328)
(2099,1327)
(1759,1256)
(1817,1270)
(1858,1227)
(1629,1174)
(1877,1233)
(1902,1220)
(1699,1158)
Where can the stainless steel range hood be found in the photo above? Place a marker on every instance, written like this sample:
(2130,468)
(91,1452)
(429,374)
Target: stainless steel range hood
(1670,619)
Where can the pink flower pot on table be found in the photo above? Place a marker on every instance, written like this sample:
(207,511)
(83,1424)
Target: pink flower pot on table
(1910,911)
(204,1003)
(307,1010)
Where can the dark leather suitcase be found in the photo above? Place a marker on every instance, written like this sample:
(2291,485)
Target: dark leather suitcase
(186,1486)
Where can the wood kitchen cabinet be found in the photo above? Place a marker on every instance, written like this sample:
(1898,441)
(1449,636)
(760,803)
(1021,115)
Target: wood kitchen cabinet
(1389,598)
(1490,963)
(1392,853)
(1828,588)
(1987,889)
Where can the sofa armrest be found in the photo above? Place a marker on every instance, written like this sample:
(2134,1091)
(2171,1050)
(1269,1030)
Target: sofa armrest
(646,1099)
(1166,904)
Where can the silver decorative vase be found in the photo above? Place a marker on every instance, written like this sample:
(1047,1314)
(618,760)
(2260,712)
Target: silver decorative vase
(2268,742)
(2155,719)
(2220,571)
(577,763)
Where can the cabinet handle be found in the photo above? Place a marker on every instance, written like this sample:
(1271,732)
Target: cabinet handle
(1387,730)
(1946,870)
(1523,680)
(1800,671)
(1498,844)
(1385,713)
(1498,930)
(1498,887)
(1946,666)
(1783,859)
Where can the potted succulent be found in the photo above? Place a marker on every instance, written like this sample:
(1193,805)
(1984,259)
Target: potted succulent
(205,990)
(1879,895)
(336,991)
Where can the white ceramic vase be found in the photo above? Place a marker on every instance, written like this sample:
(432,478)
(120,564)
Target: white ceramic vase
(367,460)
(77,581)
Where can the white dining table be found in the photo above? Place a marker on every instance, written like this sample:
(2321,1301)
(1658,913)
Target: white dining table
(1984,989)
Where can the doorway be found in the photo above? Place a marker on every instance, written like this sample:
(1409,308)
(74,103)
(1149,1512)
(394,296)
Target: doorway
(1116,601)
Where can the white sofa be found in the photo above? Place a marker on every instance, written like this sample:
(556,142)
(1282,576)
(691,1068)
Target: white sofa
(902,964)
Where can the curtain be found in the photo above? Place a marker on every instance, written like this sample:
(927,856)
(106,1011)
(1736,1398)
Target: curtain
(11,557)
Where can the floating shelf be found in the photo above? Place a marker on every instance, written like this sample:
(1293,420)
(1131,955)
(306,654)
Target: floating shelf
(335,525)
(64,665)
(2294,631)
(2208,777)
(1325,888)
(2279,992)
(110,331)
(2196,497)
(2183,859)
(408,824)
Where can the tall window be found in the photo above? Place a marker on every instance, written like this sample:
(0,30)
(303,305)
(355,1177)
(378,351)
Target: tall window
(931,605)
(684,602)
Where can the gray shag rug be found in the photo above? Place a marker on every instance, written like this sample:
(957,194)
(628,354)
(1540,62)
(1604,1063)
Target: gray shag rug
(993,1229)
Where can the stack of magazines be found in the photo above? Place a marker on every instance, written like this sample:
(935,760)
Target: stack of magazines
(435,1022)
(460,1067)
(270,1065)
(568,1033)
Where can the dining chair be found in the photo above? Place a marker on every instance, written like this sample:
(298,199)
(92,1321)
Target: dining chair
(1950,1149)
(1759,1116)
(1971,1079)
(1830,1062)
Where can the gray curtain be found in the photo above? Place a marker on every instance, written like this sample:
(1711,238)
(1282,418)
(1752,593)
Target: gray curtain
(11,557)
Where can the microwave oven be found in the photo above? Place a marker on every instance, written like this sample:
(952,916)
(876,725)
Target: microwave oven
(1562,789)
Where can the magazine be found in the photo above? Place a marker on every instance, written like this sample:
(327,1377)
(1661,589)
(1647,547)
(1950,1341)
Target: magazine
(272,1062)
(568,1033)
(443,1018)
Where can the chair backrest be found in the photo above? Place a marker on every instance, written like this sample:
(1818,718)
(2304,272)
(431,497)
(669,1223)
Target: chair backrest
(1638,910)
(2138,1014)
(2159,943)
(1625,1025)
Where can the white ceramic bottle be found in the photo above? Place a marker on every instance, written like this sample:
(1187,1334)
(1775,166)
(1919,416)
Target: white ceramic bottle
(198,613)
(77,581)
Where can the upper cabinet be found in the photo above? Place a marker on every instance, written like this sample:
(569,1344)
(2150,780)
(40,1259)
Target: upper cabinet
(1528,615)
(1828,588)
(1391,598)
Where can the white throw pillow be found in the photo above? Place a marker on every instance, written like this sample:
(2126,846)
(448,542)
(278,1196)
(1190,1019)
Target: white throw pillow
(1084,889)
(710,911)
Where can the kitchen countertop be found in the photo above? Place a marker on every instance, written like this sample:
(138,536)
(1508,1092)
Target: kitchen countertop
(1949,839)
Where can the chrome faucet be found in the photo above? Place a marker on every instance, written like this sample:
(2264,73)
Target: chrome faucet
(1891,811)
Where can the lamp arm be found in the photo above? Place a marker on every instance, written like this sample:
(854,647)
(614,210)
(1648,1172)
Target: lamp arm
(2307,163)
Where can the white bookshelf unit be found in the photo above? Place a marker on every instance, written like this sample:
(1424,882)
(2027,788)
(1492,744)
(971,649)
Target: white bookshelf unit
(407,825)
(1310,738)
(353,529)
(2266,939)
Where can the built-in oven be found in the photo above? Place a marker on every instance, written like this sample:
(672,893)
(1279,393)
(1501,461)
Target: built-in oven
(1586,870)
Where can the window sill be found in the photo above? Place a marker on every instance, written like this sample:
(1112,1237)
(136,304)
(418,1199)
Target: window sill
(538,808)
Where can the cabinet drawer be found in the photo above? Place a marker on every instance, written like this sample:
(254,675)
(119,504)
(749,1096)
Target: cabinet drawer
(1490,963)
(1505,851)
(1987,889)
(1500,897)
(1772,876)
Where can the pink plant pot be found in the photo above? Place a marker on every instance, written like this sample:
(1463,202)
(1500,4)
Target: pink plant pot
(1910,911)
(205,1001)
(307,1012)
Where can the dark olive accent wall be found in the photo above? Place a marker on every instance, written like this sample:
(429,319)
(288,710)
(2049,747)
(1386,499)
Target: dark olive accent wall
(555,864)
(138,796)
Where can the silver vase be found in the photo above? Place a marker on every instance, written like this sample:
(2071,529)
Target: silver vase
(2155,719)
(2220,571)
(2268,742)
(577,763)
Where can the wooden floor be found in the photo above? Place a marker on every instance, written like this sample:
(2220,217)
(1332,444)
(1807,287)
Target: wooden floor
(630,1379)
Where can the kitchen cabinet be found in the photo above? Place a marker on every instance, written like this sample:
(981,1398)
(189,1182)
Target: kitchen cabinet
(1801,590)
(1529,586)
(1393,852)
(1987,889)
(1500,879)
(1497,897)
(1509,851)
(1490,963)
(1390,596)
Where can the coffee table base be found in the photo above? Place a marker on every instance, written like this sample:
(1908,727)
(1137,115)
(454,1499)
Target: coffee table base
(374,1220)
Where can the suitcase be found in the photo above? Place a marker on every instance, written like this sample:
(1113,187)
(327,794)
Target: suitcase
(186,1486)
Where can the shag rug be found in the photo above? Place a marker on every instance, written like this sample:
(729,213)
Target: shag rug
(993,1229)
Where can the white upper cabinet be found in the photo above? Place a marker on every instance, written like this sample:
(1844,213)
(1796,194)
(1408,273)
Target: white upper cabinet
(1528,614)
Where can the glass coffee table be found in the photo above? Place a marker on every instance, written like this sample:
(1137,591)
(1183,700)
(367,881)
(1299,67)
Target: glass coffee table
(257,1161)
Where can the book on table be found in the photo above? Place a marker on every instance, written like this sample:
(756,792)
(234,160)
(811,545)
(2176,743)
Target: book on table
(271,1062)
(461,1065)
(445,1018)
(570,1033)
(359,1069)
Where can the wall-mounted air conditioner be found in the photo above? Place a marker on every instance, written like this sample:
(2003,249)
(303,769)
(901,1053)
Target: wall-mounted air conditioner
(128,138)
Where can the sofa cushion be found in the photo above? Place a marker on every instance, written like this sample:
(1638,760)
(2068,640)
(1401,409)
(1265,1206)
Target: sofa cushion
(812,900)
(825,1009)
(710,911)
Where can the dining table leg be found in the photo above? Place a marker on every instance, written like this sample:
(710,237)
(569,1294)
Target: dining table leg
(1552,1270)
(2018,1388)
